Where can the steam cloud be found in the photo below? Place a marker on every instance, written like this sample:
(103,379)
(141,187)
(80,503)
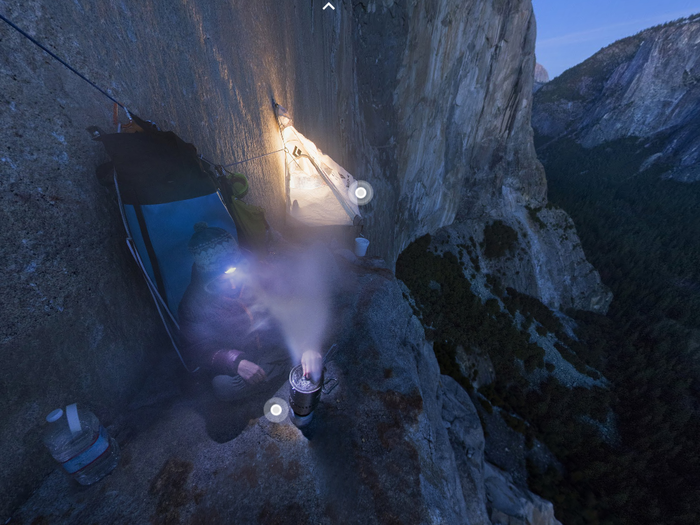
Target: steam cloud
(295,292)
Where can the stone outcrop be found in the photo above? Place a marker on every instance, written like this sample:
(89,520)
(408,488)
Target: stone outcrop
(647,86)
(394,442)
(466,436)
(510,505)
(541,74)
(456,141)
(546,261)
(505,502)
(541,77)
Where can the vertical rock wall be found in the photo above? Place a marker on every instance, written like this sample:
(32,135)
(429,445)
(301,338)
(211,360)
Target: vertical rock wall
(453,137)
(458,128)
(77,320)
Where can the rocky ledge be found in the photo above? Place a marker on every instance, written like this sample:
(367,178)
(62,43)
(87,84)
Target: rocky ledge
(395,442)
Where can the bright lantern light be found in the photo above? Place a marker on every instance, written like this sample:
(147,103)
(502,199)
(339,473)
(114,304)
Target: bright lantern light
(230,271)
(275,410)
(360,193)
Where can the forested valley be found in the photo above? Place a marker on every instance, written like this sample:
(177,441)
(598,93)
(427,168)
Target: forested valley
(642,233)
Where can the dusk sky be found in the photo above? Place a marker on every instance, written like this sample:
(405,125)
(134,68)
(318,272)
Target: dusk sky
(570,32)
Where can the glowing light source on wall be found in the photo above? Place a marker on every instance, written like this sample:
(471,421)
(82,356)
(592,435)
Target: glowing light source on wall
(317,186)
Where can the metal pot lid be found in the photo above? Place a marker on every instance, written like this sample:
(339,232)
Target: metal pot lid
(302,384)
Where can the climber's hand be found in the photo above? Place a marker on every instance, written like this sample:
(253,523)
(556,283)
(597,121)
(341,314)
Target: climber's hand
(251,372)
(311,364)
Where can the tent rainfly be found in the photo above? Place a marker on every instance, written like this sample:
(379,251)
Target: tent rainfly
(319,191)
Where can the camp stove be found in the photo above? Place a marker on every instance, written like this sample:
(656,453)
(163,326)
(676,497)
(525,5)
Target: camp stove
(304,394)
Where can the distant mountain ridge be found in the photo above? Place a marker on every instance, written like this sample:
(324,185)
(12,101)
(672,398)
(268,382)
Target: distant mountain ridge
(646,85)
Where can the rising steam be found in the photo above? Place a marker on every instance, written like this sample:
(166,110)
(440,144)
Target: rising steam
(296,293)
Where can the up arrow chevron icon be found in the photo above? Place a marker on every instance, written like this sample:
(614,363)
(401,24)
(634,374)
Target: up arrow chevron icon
(329,5)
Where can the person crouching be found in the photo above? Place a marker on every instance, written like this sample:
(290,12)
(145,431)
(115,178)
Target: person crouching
(224,332)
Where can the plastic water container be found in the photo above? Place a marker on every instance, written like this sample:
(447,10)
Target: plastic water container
(361,245)
(80,444)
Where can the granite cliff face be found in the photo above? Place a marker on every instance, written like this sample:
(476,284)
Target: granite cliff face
(541,77)
(545,258)
(454,142)
(647,86)
(541,74)
(429,101)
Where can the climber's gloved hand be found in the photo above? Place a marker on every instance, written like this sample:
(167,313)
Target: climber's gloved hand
(311,363)
(251,372)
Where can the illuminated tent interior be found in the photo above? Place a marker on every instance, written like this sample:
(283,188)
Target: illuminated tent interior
(319,190)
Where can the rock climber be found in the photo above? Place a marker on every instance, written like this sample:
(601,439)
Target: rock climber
(224,328)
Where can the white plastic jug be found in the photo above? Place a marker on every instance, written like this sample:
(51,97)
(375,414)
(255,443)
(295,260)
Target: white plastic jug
(80,444)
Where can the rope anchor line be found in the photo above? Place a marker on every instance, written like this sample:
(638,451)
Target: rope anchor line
(8,22)
(64,63)
(252,158)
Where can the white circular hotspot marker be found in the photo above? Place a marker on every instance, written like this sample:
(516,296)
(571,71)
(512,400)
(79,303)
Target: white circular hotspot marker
(276,409)
(360,192)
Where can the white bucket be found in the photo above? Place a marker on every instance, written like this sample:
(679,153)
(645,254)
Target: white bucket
(361,245)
